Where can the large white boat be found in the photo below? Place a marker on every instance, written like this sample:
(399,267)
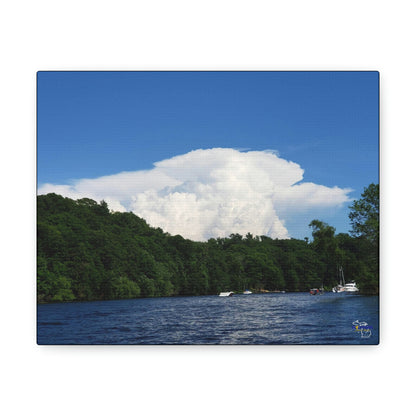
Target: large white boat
(351,287)
(342,287)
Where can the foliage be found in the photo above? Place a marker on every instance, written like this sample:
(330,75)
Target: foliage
(86,252)
(364,215)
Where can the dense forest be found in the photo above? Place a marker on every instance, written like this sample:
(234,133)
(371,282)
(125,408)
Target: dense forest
(86,252)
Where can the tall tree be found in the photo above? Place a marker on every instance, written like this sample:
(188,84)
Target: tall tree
(325,244)
(364,215)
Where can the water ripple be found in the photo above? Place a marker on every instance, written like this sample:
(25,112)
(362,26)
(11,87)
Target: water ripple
(292,318)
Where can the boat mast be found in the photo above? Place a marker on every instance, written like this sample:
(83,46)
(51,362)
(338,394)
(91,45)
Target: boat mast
(342,276)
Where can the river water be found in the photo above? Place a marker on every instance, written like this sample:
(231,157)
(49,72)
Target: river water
(272,318)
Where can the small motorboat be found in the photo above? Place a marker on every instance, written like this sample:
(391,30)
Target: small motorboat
(247,292)
(226,294)
(314,291)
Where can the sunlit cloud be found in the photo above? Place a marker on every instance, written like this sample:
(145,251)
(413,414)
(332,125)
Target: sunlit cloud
(211,193)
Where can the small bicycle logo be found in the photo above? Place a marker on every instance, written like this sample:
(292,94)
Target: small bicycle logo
(363,328)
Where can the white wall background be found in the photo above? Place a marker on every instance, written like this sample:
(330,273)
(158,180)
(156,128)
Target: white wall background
(269,35)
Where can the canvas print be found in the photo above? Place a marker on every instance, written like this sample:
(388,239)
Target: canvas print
(207,207)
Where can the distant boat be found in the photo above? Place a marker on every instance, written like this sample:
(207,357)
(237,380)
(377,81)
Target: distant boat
(247,292)
(351,287)
(342,287)
(226,294)
(314,291)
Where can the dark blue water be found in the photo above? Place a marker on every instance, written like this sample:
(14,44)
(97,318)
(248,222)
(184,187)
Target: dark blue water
(291,318)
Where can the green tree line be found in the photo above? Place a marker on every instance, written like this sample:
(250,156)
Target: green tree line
(87,252)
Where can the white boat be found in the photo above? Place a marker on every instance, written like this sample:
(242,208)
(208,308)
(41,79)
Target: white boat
(342,287)
(226,294)
(247,292)
(351,287)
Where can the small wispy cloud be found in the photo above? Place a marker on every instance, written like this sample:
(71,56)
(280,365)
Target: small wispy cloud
(211,193)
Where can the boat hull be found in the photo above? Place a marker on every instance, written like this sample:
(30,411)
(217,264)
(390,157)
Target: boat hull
(225,294)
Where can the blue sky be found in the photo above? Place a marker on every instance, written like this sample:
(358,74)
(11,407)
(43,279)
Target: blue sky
(94,124)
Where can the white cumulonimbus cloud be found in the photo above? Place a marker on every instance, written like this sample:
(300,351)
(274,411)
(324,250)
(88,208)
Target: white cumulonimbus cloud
(211,193)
